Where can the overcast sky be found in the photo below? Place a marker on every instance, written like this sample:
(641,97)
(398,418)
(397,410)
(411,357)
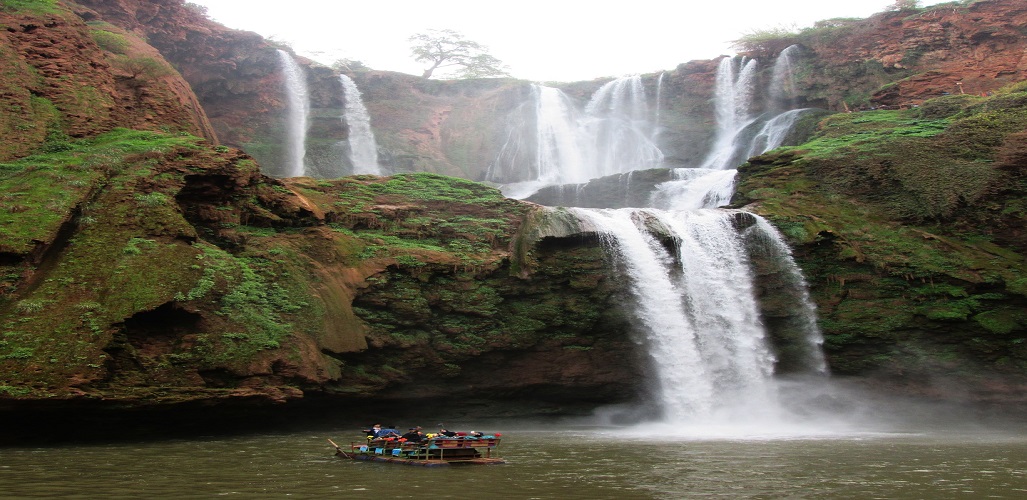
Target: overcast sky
(542,40)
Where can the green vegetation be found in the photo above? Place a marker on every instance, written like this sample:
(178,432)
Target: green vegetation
(110,41)
(33,7)
(246,299)
(142,69)
(412,216)
(40,191)
(128,255)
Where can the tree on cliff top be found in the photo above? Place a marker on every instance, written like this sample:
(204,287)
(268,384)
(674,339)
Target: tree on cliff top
(447,48)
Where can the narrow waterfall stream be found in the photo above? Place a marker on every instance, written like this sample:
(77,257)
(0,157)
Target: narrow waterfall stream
(363,149)
(297,115)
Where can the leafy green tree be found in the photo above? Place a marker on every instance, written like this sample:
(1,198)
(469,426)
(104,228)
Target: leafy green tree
(447,48)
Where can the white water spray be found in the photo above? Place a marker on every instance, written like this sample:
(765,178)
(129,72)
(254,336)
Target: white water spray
(782,80)
(673,342)
(617,129)
(697,307)
(559,157)
(656,114)
(733,101)
(363,150)
(612,134)
(297,117)
(774,132)
(694,188)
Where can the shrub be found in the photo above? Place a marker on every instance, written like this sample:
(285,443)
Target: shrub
(109,41)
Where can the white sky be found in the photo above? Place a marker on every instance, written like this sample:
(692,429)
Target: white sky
(542,40)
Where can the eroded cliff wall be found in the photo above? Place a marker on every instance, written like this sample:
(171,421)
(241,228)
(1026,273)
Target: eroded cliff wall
(151,268)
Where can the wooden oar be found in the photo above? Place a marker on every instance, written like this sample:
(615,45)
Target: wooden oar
(339,449)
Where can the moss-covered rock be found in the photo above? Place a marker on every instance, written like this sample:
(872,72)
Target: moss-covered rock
(910,234)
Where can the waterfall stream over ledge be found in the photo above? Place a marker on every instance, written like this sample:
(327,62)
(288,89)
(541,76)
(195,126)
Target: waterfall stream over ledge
(691,266)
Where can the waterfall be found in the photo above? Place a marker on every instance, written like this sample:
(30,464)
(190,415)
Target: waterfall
(559,157)
(694,188)
(656,114)
(617,129)
(733,100)
(612,134)
(690,266)
(782,79)
(673,342)
(741,133)
(692,278)
(297,117)
(363,150)
(774,132)
(766,239)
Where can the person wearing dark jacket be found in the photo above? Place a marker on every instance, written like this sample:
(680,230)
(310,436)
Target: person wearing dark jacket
(414,435)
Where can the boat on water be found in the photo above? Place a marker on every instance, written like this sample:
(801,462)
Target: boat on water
(433,451)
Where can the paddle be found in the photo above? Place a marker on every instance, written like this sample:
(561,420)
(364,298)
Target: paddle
(338,449)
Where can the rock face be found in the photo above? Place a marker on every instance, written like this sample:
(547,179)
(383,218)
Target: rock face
(911,236)
(69,78)
(147,268)
(949,49)
(458,127)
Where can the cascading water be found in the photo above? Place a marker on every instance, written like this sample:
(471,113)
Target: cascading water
(617,129)
(613,134)
(698,310)
(692,269)
(743,132)
(363,150)
(733,101)
(695,188)
(774,132)
(559,156)
(656,114)
(679,363)
(543,148)
(297,117)
(782,80)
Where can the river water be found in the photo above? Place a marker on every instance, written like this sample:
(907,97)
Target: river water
(544,461)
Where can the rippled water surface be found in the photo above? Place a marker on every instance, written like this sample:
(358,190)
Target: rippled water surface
(542,463)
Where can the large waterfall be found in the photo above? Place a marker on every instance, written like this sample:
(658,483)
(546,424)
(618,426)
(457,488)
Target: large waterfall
(297,115)
(691,266)
(691,273)
(363,150)
(618,129)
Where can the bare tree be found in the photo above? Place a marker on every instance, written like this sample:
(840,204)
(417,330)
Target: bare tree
(447,48)
(902,5)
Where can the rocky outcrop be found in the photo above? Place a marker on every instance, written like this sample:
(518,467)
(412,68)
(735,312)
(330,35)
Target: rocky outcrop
(228,285)
(910,233)
(70,78)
